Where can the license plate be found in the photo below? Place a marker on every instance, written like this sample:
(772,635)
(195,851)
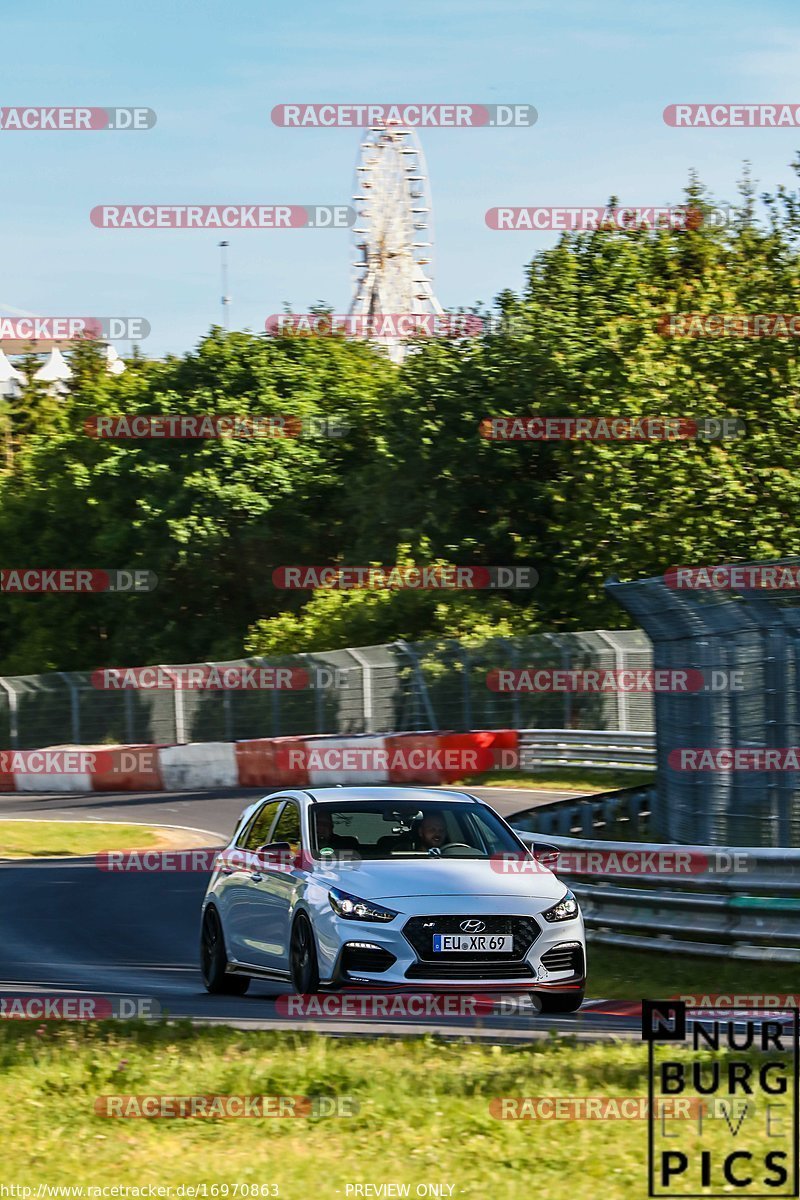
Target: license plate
(480,943)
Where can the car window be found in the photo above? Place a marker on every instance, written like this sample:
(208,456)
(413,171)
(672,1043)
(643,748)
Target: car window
(258,831)
(383,829)
(288,827)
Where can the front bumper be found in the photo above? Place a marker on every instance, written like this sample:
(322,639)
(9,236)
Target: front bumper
(546,956)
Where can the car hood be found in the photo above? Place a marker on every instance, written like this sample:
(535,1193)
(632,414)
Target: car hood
(389,879)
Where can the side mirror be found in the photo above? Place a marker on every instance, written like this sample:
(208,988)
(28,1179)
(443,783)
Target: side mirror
(275,852)
(546,854)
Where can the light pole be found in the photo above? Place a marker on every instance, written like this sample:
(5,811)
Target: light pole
(223,247)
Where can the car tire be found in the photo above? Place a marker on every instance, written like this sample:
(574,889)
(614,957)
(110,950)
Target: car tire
(561,1002)
(214,960)
(303,957)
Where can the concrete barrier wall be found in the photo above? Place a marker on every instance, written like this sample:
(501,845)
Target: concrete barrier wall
(413,758)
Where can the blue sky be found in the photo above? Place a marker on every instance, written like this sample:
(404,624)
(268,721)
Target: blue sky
(599,76)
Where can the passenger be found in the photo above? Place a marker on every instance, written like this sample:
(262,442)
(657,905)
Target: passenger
(326,838)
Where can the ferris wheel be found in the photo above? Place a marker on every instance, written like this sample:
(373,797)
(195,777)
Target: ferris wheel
(393,236)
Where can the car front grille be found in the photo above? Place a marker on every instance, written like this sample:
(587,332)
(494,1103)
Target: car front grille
(419,931)
(476,972)
(568,956)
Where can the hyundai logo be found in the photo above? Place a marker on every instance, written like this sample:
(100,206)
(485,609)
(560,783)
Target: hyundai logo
(472,926)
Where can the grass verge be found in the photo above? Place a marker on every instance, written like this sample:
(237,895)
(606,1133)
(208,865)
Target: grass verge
(423,1113)
(619,974)
(40,839)
(570,779)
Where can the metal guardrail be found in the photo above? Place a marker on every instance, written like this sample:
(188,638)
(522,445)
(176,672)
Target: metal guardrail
(598,748)
(752,912)
(626,811)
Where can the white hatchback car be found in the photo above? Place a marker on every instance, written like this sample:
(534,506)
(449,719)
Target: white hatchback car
(395,887)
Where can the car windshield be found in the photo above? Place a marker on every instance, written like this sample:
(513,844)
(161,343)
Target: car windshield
(392,829)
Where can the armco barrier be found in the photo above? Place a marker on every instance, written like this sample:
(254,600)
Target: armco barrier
(415,758)
(751,913)
(599,749)
(624,810)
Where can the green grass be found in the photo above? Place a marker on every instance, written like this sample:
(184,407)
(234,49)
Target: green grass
(423,1113)
(38,839)
(570,779)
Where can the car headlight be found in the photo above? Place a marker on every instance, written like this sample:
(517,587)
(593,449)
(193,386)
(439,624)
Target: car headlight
(565,910)
(354,909)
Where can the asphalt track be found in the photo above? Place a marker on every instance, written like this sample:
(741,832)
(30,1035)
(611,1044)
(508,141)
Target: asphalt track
(69,928)
(215,810)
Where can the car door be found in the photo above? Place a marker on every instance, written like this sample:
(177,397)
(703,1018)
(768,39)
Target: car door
(271,892)
(236,879)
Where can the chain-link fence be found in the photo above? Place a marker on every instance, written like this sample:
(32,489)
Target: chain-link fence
(748,639)
(372,689)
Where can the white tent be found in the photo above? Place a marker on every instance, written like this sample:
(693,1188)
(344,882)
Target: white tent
(114,364)
(11,380)
(55,369)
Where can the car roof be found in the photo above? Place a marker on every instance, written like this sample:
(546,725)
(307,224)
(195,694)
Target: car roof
(412,794)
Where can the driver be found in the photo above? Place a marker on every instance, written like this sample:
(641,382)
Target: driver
(432,832)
